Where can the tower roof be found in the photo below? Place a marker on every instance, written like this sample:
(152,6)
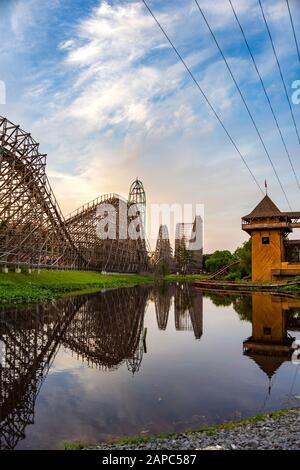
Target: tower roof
(268,364)
(265,208)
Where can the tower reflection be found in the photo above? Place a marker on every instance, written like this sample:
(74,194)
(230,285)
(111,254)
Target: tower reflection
(271,343)
(188,307)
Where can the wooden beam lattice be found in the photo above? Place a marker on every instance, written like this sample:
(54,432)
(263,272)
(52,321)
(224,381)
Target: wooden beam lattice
(33,230)
(94,328)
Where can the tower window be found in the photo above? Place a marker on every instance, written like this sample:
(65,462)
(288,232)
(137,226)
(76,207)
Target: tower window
(265,240)
(267,331)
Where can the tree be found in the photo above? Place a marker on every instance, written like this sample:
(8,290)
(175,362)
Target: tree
(218,260)
(222,258)
(163,268)
(217,299)
(243,307)
(184,258)
(243,253)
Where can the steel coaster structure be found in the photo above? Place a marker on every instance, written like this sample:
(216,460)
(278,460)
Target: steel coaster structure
(33,230)
(188,310)
(137,196)
(163,300)
(163,249)
(186,235)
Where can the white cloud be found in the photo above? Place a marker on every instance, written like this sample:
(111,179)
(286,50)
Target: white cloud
(275,11)
(124,105)
(26,16)
(114,83)
(221,11)
(66,44)
(21,17)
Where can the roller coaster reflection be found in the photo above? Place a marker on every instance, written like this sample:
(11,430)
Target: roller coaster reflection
(104,330)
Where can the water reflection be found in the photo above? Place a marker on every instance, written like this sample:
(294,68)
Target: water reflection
(270,344)
(188,308)
(104,330)
(273,318)
(162,297)
(28,343)
(107,331)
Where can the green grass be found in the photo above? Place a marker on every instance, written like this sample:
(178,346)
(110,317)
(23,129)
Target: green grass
(295,289)
(47,285)
(76,445)
(209,430)
(184,278)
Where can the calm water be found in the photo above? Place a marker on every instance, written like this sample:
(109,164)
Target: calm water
(140,361)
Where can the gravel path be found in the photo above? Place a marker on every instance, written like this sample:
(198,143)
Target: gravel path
(278,432)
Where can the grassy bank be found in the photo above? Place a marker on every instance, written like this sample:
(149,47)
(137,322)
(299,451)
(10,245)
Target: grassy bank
(209,430)
(294,289)
(243,287)
(182,278)
(47,285)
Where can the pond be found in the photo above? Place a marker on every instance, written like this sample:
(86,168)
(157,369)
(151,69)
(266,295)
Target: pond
(142,360)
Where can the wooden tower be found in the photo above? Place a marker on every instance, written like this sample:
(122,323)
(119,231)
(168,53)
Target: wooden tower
(269,228)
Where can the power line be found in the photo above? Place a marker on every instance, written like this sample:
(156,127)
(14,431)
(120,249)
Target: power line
(279,68)
(266,93)
(293,28)
(244,100)
(203,94)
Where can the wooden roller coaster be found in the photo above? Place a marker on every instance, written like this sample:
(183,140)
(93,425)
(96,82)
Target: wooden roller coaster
(33,231)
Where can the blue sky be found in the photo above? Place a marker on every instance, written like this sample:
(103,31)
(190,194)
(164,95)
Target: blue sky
(98,86)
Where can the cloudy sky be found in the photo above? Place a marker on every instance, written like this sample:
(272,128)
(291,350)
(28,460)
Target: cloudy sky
(98,86)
